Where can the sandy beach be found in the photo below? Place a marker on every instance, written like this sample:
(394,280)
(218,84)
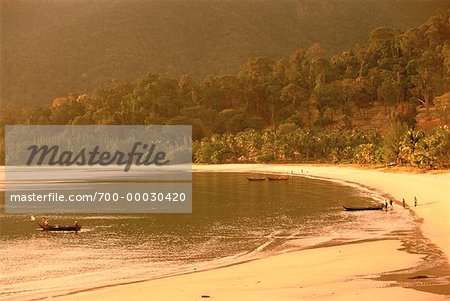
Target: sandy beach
(318,274)
(344,272)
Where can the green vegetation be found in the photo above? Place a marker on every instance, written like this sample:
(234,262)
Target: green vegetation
(415,147)
(299,108)
(50,48)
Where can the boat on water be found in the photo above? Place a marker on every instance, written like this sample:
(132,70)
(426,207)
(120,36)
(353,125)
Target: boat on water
(277,178)
(377,207)
(256,179)
(75,228)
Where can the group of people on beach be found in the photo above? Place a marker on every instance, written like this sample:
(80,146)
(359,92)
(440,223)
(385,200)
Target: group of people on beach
(390,203)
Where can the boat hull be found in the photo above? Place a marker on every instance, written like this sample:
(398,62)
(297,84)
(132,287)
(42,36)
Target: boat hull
(381,207)
(278,179)
(256,179)
(60,228)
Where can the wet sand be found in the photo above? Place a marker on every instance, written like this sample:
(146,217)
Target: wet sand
(385,269)
(331,273)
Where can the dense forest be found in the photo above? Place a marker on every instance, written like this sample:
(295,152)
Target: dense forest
(50,48)
(299,108)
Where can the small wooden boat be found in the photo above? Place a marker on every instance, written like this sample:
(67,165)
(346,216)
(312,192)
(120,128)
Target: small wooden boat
(75,228)
(277,178)
(378,207)
(256,179)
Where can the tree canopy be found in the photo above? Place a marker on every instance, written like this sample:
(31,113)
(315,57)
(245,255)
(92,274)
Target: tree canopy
(399,72)
(51,48)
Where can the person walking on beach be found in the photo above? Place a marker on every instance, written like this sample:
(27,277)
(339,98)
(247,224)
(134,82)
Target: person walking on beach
(386,204)
(404,203)
(415,202)
(391,202)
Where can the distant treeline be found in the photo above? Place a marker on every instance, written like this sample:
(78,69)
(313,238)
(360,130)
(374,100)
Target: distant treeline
(306,93)
(399,146)
(50,48)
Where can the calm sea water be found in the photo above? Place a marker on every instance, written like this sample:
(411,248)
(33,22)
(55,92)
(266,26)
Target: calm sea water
(233,220)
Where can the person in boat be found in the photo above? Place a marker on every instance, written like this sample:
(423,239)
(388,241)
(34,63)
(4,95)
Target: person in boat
(45,221)
(76,224)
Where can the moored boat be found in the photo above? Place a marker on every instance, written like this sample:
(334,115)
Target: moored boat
(277,178)
(75,228)
(256,179)
(378,207)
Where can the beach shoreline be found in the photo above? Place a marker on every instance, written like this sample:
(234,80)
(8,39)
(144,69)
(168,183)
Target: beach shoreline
(326,272)
(431,190)
(323,273)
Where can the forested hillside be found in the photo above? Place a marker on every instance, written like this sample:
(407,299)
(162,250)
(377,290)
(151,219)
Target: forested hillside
(301,107)
(51,48)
